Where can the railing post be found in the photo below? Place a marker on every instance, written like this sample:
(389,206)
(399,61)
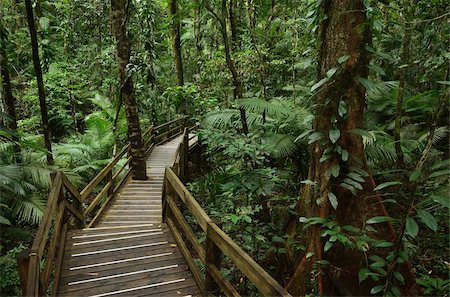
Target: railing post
(109,179)
(186,154)
(23,262)
(213,257)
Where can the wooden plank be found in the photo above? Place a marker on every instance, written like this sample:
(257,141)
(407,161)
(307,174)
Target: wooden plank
(187,231)
(223,283)
(59,261)
(187,255)
(192,204)
(265,283)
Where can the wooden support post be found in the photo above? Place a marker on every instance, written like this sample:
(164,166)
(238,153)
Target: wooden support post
(186,153)
(213,257)
(23,261)
(110,179)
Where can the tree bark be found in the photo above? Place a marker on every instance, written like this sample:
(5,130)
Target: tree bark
(40,81)
(176,40)
(198,36)
(233,24)
(238,89)
(405,57)
(119,17)
(344,32)
(9,103)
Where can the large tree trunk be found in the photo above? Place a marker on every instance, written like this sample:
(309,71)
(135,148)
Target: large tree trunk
(345,31)
(119,17)
(40,80)
(198,35)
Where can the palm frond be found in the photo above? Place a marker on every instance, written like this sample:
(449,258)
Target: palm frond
(375,90)
(260,106)
(281,145)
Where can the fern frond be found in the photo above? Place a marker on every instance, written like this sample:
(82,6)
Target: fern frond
(281,145)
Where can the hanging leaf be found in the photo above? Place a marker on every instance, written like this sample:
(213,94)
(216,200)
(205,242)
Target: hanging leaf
(331,72)
(334,135)
(315,137)
(319,84)
(380,219)
(386,184)
(328,245)
(342,108)
(344,155)
(414,175)
(363,274)
(333,200)
(343,59)
(428,219)
(335,170)
(411,227)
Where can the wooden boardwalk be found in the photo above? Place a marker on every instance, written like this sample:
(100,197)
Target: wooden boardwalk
(129,252)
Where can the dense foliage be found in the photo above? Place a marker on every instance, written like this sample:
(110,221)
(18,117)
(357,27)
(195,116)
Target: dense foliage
(251,181)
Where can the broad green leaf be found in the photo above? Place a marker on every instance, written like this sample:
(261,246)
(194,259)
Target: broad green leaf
(334,135)
(328,245)
(384,244)
(411,227)
(363,274)
(380,219)
(356,176)
(277,239)
(349,187)
(376,289)
(319,84)
(331,72)
(414,175)
(342,109)
(315,137)
(428,219)
(4,221)
(386,184)
(399,277)
(344,155)
(335,170)
(333,200)
(343,59)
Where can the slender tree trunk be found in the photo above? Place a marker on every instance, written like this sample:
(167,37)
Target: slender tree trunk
(343,32)
(9,102)
(238,89)
(119,17)
(176,41)
(198,36)
(405,57)
(233,24)
(40,81)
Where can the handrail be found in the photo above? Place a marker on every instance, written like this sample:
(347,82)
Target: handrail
(217,242)
(61,211)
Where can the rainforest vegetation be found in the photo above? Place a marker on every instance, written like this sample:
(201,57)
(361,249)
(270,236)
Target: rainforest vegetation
(324,126)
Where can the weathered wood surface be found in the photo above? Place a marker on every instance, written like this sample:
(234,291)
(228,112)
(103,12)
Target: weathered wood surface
(129,251)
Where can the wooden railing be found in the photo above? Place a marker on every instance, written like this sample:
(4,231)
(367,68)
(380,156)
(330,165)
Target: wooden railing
(217,242)
(63,206)
(66,206)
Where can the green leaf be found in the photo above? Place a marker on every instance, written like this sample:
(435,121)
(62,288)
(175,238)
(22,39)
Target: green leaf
(319,84)
(44,23)
(399,277)
(331,72)
(328,245)
(349,187)
(376,289)
(4,221)
(414,175)
(277,239)
(356,176)
(356,184)
(384,244)
(333,200)
(315,137)
(380,219)
(386,184)
(411,227)
(343,59)
(363,274)
(428,219)
(335,170)
(342,109)
(344,155)
(309,255)
(334,135)
(396,291)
